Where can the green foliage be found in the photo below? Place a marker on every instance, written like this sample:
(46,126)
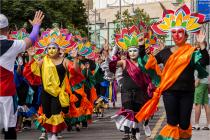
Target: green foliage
(67,13)
(128,20)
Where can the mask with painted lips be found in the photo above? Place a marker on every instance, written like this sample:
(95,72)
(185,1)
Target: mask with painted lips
(178,36)
(133,53)
(52,51)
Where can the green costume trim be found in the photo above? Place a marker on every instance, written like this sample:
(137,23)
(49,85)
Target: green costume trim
(77,86)
(89,79)
(38,126)
(152,73)
(73,121)
(159,137)
(196,56)
(99,77)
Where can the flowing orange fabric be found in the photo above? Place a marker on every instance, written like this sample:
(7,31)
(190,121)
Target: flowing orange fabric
(185,134)
(73,98)
(40,110)
(171,132)
(174,66)
(86,108)
(152,64)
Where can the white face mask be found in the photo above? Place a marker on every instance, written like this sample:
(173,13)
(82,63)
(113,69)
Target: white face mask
(133,53)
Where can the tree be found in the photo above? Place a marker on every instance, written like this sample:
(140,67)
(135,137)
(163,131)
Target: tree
(79,18)
(66,13)
(127,20)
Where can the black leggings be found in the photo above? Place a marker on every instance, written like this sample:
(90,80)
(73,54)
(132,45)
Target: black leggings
(51,105)
(22,92)
(178,108)
(133,130)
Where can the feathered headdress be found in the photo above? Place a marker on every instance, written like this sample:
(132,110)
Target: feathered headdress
(61,38)
(19,35)
(85,48)
(151,42)
(181,18)
(129,37)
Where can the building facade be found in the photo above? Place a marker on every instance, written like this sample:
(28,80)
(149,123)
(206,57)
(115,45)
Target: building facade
(101,14)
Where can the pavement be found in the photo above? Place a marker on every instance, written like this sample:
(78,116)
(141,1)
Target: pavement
(105,129)
(200,134)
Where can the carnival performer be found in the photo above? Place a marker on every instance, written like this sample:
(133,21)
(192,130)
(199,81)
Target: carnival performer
(22,89)
(110,82)
(9,49)
(177,76)
(134,83)
(102,102)
(87,70)
(80,107)
(54,69)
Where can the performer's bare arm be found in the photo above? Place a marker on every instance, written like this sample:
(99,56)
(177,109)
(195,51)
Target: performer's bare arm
(121,63)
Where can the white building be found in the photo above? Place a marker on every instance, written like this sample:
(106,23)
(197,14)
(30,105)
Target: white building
(102,13)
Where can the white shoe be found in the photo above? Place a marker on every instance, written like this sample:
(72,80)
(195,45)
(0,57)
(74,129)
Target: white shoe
(54,137)
(138,136)
(196,127)
(147,130)
(43,136)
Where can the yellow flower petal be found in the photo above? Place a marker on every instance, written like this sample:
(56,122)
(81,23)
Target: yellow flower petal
(122,45)
(193,26)
(190,22)
(164,27)
(167,21)
(187,17)
(179,19)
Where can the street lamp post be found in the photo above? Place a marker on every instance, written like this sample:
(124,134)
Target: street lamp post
(88,19)
(95,27)
(120,14)
(120,9)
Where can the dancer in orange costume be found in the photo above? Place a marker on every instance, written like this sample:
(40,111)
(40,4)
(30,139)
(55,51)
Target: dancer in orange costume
(177,76)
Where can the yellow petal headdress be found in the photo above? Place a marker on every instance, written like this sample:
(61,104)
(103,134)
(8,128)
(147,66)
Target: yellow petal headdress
(60,37)
(181,18)
(129,37)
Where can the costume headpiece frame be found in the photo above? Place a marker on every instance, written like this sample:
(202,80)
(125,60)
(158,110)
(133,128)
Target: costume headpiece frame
(181,18)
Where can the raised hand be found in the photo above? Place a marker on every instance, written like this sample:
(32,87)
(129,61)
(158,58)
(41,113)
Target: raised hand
(37,18)
(200,37)
(141,40)
(106,45)
(74,53)
(31,51)
(161,44)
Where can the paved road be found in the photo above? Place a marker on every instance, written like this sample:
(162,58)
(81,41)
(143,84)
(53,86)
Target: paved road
(104,129)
